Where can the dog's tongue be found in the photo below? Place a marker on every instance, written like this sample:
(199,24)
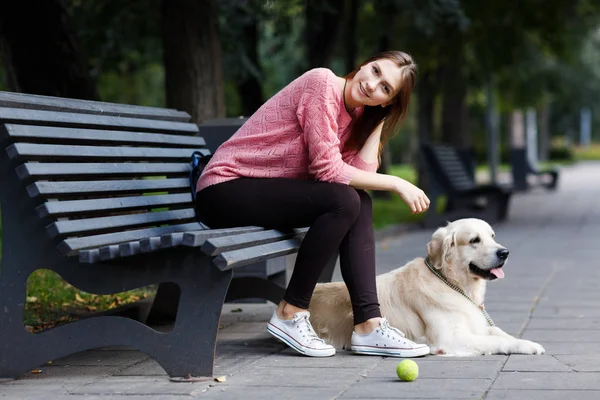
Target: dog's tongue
(498,272)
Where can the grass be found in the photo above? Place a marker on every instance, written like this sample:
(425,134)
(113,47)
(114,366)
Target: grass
(51,301)
(589,153)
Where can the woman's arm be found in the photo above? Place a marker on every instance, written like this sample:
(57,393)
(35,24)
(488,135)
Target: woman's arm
(370,150)
(412,195)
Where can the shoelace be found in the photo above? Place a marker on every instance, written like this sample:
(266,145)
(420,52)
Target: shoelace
(385,325)
(310,332)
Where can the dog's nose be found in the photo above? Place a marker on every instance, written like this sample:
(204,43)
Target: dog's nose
(502,254)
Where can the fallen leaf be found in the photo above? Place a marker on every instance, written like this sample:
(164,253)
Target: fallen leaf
(31,299)
(237,310)
(78,298)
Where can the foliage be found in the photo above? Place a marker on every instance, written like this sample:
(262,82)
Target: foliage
(51,301)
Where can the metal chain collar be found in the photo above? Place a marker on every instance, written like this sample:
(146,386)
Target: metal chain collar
(459,290)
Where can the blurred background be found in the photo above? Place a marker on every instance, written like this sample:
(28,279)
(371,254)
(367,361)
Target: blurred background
(492,74)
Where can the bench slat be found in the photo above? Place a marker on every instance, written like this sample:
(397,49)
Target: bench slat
(87,225)
(71,246)
(216,246)
(47,170)
(56,188)
(237,258)
(197,239)
(34,117)
(50,103)
(78,135)
(41,151)
(153,243)
(61,208)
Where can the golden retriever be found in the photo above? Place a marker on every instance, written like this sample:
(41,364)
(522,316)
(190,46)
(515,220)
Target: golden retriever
(416,301)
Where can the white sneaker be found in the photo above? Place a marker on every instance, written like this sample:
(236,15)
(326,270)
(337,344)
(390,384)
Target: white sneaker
(387,341)
(299,334)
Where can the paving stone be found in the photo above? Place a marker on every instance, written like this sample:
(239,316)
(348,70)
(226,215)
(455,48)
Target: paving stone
(342,359)
(147,367)
(139,385)
(567,312)
(547,380)
(572,348)
(72,375)
(393,388)
(318,377)
(454,368)
(581,362)
(543,395)
(102,357)
(538,363)
(270,392)
(564,323)
(245,327)
(579,335)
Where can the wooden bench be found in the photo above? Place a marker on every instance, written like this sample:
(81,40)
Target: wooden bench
(100,194)
(449,176)
(522,170)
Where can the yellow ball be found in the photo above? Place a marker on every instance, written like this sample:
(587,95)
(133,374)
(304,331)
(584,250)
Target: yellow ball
(407,370)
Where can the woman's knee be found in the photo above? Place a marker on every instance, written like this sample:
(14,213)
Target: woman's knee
(346,201)
(366,203)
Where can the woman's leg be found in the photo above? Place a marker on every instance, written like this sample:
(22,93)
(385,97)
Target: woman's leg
(357,263)
(330,209)
(372,334)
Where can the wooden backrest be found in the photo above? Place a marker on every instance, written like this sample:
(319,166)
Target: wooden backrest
(103,179)
(447,167)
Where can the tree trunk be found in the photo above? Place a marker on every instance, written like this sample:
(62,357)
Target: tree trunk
(322,21)
(40,52)
(544,131)
(454,86)
(425,103)
(350,56)
(192,58)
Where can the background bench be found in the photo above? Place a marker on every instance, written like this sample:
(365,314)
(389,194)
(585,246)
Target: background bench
(99,193)
(449,176)
(525,175)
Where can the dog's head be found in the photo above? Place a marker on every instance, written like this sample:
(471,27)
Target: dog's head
(466,249)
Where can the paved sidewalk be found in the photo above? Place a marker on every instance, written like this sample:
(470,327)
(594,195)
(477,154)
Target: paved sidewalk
(550,295)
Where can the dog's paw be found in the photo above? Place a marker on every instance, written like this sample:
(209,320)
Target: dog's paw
(530,347)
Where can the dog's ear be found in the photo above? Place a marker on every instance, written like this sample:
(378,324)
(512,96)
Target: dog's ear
(434,247)
(448,244)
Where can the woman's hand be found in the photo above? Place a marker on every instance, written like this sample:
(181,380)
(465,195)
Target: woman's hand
(414,197)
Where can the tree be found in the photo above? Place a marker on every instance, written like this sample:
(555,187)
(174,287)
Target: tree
(192,58)
(40,52)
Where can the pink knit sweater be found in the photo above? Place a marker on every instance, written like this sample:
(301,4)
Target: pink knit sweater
(298,133)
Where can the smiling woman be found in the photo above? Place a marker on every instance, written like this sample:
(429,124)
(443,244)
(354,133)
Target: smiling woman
(305,158)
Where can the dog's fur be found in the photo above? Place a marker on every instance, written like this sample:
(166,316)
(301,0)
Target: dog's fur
(418,303)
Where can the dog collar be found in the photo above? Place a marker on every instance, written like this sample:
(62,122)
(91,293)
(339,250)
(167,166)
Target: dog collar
(459,290)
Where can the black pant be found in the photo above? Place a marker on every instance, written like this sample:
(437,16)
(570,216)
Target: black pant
(339,216)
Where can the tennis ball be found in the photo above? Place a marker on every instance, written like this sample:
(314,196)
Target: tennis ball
(407,370)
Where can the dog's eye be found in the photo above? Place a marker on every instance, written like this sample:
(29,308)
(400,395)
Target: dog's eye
(475,240)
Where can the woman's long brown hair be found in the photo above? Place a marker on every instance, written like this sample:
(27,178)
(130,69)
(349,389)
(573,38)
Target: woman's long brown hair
(394,114)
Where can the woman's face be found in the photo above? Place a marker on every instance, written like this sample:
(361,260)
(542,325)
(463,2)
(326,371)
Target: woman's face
(376,83)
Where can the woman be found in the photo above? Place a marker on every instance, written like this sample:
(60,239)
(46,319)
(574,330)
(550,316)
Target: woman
(304,159)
